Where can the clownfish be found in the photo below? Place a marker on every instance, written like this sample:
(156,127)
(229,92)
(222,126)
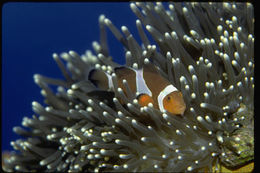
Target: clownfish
(151,86)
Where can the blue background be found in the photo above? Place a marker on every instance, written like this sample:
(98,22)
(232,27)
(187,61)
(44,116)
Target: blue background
(31,32)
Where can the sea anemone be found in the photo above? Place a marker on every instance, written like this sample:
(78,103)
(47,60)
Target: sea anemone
(204,49)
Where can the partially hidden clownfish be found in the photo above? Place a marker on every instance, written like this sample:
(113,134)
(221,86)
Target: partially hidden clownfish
(147,81)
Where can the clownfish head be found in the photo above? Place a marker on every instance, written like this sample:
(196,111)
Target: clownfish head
(174,103)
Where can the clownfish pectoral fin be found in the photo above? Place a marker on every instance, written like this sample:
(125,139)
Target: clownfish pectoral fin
(99,79)
(144,99)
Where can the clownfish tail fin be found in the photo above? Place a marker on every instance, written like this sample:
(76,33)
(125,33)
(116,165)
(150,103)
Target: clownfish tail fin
(99,78)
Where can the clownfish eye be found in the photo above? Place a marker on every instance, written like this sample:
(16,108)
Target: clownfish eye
(169,98)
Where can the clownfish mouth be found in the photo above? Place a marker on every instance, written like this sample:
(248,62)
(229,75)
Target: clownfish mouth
(180,109)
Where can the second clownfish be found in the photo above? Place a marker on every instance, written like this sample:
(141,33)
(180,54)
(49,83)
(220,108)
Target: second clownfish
(147,81)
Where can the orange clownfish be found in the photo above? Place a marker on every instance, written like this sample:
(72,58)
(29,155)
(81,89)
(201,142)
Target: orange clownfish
(147,81)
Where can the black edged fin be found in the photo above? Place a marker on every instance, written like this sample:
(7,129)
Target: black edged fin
(99,79)
(122,72)
(139,96)
(144,99)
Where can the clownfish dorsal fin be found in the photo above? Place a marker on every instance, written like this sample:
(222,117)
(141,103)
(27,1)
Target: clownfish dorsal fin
(150,68)
(144,99)
(128,74)
(122,72)
(99,78)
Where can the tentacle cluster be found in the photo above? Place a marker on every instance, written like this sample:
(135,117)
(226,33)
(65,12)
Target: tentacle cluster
(204,49)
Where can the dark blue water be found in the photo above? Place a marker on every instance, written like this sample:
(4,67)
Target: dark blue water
(31,32)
